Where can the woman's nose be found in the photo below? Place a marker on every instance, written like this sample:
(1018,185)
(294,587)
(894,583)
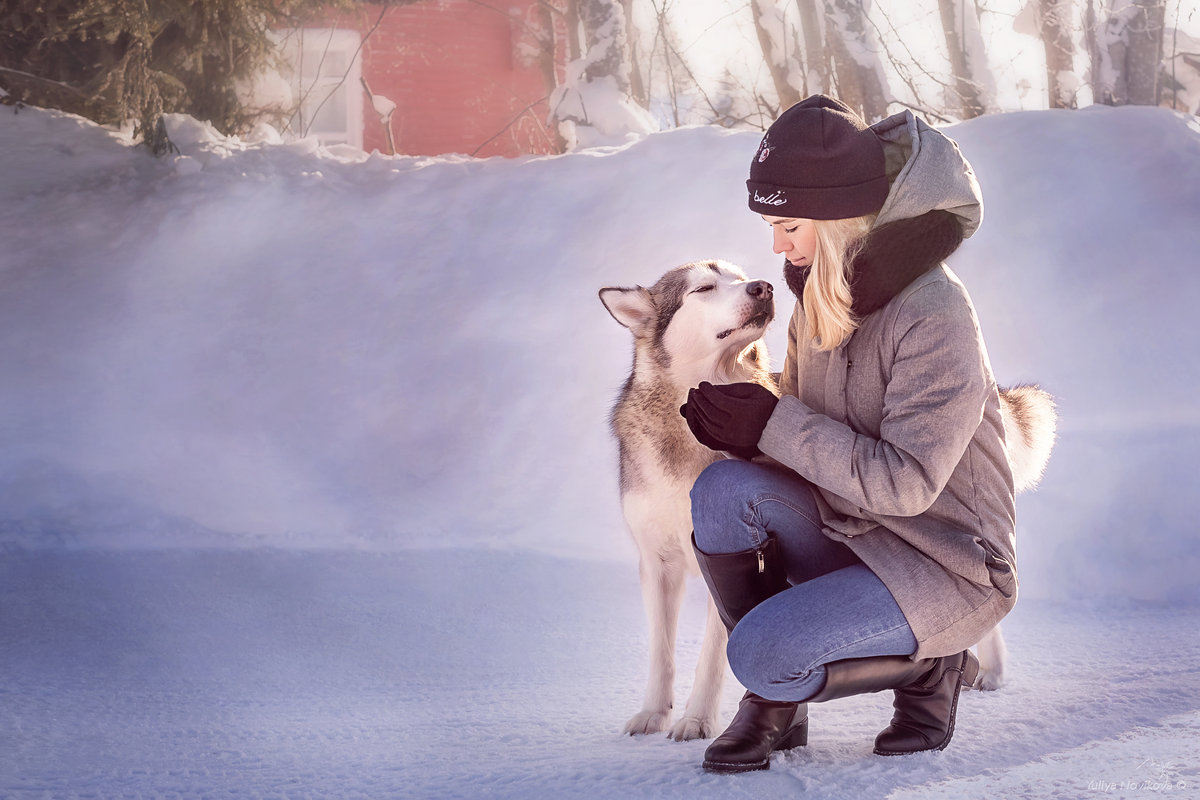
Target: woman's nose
(781,243)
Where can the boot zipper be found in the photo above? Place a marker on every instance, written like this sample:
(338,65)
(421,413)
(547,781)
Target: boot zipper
(762,562)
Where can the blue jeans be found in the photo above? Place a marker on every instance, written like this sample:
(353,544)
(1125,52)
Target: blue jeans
(836,607)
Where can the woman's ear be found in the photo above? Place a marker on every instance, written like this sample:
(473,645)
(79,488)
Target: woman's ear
(633,308)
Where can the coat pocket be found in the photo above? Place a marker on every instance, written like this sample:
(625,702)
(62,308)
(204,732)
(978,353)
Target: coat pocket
(1000,570)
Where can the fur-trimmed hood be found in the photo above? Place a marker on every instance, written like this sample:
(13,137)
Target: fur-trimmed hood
(893,256)
(933,204)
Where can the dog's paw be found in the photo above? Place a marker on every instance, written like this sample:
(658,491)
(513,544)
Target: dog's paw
(989,679)
(648,722)
(689,728)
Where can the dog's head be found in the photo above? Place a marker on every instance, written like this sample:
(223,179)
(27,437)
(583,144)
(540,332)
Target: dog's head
(697,313)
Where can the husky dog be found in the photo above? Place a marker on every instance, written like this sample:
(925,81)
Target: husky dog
(704,322)
(700,322)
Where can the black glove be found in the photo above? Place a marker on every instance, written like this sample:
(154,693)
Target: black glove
(729,417)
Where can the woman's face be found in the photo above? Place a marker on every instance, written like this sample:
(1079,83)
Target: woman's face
(794,237)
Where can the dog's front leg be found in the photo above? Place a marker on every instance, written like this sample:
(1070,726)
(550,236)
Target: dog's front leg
(699,719)
(662,594)
(992,654)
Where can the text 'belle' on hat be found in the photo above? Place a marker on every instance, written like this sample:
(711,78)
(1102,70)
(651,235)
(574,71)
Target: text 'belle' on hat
(819,160)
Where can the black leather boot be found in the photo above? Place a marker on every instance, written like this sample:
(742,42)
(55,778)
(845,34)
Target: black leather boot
(759,728)
(738,582)
(925,709)
(926,696)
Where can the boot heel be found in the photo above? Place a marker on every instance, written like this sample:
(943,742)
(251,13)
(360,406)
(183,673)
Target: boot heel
(797,736)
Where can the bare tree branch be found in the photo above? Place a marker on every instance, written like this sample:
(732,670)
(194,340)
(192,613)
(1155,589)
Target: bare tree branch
(350,64)
(901,69)
(510,123)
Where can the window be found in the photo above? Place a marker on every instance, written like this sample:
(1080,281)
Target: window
(326,69)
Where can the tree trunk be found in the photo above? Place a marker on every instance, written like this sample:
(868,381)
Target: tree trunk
(1055,25)
(585,108)
(845,74)
(637,80)
(777,62)
(574,45)
(1129,51)
(607,40)
(1144,56)
(1095,26)
(548,64)
(964,42)
(856,58)
(817,71)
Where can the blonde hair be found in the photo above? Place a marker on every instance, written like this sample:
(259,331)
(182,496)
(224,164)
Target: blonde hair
(828,320)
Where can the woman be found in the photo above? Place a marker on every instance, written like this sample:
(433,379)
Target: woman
(875,544)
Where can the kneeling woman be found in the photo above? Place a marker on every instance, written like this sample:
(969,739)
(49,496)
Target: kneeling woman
(875,544)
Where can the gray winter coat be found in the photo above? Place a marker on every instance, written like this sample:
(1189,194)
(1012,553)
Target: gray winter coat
(899,428)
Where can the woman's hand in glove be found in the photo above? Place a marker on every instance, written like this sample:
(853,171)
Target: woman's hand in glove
(730,417)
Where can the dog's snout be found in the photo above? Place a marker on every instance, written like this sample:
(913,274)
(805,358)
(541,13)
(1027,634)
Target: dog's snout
(760,290)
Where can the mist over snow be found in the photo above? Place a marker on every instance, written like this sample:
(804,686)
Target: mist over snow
(276,344)
(307,487)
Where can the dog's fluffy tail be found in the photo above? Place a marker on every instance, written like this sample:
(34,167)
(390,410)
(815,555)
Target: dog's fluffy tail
(1030,421)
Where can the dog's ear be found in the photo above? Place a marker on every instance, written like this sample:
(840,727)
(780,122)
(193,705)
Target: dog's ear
(633,308)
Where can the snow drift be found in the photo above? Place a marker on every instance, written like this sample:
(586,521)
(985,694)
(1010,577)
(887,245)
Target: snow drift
(269,344)
(307,489)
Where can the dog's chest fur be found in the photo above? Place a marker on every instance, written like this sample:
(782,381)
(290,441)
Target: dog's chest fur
(656,445)
(657,451)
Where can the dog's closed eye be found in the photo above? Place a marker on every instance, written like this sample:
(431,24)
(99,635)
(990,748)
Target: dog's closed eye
(707,288)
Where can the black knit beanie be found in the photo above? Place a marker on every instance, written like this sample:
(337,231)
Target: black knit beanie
(819,160)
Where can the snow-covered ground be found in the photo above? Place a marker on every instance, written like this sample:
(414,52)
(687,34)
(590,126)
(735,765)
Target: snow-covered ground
(470,674)
(307,489)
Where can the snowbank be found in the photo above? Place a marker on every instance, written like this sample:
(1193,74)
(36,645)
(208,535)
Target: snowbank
(266,344)
(307,489)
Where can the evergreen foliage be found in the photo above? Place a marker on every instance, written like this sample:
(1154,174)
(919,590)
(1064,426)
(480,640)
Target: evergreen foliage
(118,60)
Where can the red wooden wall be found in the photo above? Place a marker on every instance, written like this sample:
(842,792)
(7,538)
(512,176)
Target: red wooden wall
(460,73)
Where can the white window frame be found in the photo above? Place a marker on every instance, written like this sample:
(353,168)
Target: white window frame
(313,84)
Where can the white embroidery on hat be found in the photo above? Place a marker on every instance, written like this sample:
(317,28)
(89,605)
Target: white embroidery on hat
(773,199)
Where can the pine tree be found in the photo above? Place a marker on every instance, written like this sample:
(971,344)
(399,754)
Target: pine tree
(118,60)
